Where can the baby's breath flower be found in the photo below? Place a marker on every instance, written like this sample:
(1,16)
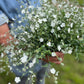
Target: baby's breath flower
(52,71)
(53,54)
(24,58)
(52,30)
(67,15)
(23,11)
(62,25)
(69,51)
(17,79)
(9,83)
(58,28)
(49,44)
(44,19)
(52,24)
(71,25)
(40,20)
(41,39)
(68,30)
(31,65)
(59,47)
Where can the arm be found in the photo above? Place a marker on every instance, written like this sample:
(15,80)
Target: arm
(5,36)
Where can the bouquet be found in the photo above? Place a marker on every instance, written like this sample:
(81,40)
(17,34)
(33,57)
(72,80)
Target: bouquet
(51,28)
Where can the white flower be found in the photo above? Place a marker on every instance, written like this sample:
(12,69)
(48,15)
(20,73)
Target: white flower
(41,39)
(52,71)
(52,24)
(32,28)
(52,30)
(36,16)
(9,83)
(19,21)
(63,25)
(23,11)
(2,55)
(40,20)
(68,30)
(44,19)
(67,15)
(31,65)
(17,79)
(34,61)
(10,67)
(69,51)
(37,25)
(57,73)
(29,16)
(55,16)
(59,47)
(24,58)
(71,25)
(30,7)
(78,36)
(53,54)
(58,28)
(49,44)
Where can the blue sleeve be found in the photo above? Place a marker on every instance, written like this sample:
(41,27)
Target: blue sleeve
(10,8)
(3,18)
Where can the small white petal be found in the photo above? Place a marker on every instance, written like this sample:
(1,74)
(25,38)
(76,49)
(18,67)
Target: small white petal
(52,71)
(17,79)
(53,54)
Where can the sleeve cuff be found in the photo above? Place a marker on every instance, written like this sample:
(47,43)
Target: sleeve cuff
(3,19)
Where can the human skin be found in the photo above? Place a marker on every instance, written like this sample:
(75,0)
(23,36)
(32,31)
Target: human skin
(5,36)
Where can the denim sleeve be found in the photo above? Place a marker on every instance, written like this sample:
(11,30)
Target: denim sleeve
(3,18)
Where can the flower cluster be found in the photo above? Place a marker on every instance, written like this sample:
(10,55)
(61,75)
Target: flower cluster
(52,28)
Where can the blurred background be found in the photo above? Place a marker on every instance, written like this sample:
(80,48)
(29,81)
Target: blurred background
(71,73)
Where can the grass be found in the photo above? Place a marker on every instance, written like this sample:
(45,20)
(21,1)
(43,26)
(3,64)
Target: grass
(71,73)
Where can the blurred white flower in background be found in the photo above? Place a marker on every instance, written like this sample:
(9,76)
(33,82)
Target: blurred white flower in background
(17,79)
(53,54)
(53,23)
(49,44)
(41,39)
(62,25)
(68,30)
(59,47)
(52,30)
(69,51)
(52,71)
(24,58)
(67,15)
